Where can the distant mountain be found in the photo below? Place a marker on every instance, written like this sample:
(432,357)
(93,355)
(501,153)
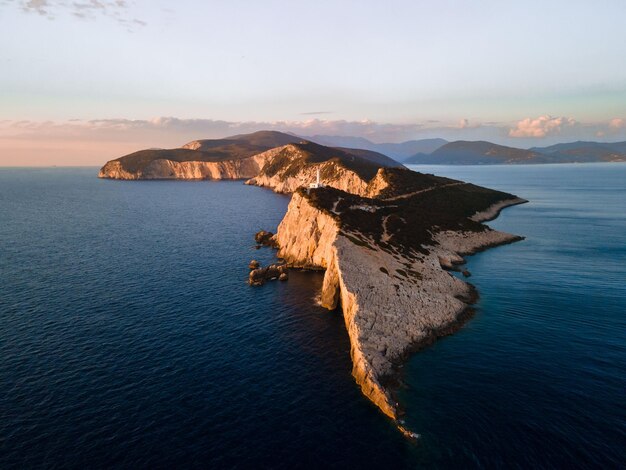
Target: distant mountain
(462,152)
(580,151)
(400,151)
(484,153)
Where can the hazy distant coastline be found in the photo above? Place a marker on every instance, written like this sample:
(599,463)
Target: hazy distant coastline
(466,152)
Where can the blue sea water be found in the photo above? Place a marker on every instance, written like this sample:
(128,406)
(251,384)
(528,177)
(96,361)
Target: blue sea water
(129,337)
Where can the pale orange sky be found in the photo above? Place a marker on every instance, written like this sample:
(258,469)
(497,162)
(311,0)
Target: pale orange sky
(92,143)
(516,73)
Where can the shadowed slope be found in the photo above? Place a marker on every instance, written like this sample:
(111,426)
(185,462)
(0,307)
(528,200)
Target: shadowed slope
(141,164)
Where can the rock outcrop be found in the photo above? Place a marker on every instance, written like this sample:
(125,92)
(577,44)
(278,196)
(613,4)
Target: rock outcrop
(259,276)
(254,264)
(296,165)
(264,238)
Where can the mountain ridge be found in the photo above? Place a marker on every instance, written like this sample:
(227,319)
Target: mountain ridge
(463,152)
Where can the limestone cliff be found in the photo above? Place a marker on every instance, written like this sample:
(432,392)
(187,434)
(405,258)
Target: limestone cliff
(394,296)
(291,167)
(164,168)
(284,167)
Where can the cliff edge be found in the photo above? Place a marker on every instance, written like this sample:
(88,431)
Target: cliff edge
(282,162)
(386,257)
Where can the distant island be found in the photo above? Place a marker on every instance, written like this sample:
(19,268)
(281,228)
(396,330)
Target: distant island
(386,236)
(462,152)
(486,153)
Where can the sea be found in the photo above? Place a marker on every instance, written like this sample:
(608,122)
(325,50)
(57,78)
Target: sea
(129,337)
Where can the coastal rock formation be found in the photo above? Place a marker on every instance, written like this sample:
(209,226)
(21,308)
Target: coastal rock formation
(384,260)
(264,238)
(280,161)
(164,166)
(285,180)
(259,276)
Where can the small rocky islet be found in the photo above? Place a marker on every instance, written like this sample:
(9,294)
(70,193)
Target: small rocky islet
(385,236)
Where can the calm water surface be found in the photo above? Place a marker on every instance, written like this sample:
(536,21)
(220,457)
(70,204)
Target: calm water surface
(129,338)
(538,378)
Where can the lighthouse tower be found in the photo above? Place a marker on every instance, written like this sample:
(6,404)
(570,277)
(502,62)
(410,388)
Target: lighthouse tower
(318,183)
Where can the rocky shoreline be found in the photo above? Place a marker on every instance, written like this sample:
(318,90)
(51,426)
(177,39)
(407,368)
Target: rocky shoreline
(387,316)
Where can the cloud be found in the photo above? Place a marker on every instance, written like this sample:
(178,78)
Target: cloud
(167,130)
(171,131)
(118,10)
(312,113)
(541,127)
(36,6)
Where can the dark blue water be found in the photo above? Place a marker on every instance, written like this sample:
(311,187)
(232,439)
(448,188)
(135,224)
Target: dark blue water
(129,338)
(538,378)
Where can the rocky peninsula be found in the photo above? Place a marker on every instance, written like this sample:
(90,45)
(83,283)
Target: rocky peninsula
(386,258)
(386,237)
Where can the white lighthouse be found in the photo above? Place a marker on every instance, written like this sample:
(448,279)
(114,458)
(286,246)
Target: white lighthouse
(318,183)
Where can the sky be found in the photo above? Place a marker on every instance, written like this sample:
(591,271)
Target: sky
(84,81)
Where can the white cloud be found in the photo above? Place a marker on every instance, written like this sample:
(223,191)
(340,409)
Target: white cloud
(166,130)
(37,6)
(541,127)
(172,131)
